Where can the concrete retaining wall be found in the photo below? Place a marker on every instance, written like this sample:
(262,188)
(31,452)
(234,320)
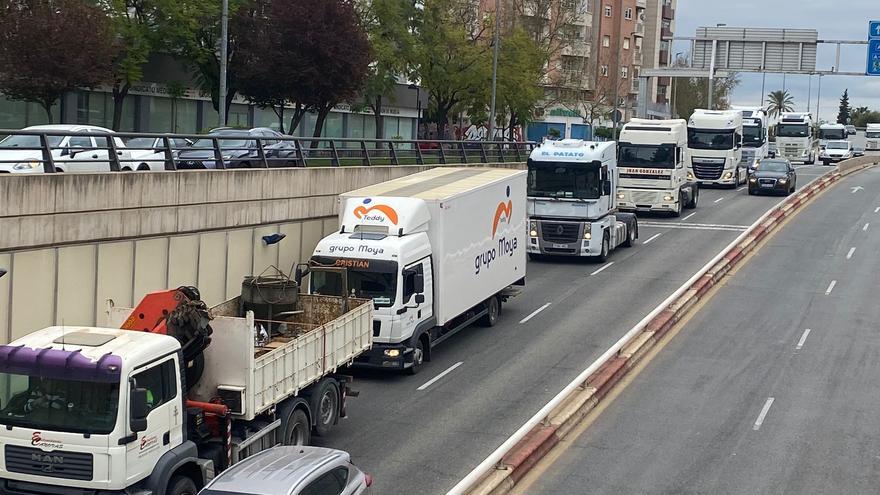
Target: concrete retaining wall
(71,242)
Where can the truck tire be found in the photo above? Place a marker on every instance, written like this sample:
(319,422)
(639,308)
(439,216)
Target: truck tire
(493,310)
(692,202)
(181,485)
(325,404)
(603,255)
(679,206)
(630,235)
(297,430)
(418,357)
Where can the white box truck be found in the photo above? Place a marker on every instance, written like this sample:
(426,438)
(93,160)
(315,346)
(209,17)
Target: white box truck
(715,148)
(794,138)
(652,160)
(831,132)
(572,191)
(436,251)
(872,137)
(756,138)
(159,404)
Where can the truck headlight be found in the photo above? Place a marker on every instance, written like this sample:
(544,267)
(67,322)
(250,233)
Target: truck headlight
(588,232)
(533,228)
(26,165)
(392,352)
(728,175)
(621,196)
(668,198)
(690,175)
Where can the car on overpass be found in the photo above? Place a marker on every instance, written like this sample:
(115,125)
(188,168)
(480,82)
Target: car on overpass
(21,153)
(148,153)
(239,148)
(773,175)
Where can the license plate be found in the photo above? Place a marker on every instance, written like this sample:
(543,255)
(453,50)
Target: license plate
(766,185)
(560,246)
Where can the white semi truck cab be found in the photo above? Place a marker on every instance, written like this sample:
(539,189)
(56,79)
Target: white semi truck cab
(652,162)
(794,138)
(715,148)
(756,139)
(129,410)
(573,186)
(435,251)
(872,136)
(831,132)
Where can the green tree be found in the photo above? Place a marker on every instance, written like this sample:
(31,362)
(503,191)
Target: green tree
(779,102)
(693,93)
(388,24)
(844,113)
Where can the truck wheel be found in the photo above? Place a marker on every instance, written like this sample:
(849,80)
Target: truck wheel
(297,431)
(181,485)
(418,358)
(677,211)
(603,256)
(630,235)
(493,310)
(326,407)
(692,203)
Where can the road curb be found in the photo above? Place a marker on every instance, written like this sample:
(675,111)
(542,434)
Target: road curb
(523,456)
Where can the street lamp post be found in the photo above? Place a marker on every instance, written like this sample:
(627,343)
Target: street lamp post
(224,43)
(496,42)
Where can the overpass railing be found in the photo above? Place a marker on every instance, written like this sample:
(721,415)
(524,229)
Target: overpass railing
(36,151)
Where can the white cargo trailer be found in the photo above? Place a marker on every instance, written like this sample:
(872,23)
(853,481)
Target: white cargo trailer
(435,251)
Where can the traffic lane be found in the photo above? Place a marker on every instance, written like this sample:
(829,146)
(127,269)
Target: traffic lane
(510,371)
(687,423)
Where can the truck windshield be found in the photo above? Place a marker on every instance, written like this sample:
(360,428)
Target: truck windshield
(72,406)
(563,180)
(368,279)
(792,130)
(872,134)
(753,136)
(710,139)
(647,155)
(832,133)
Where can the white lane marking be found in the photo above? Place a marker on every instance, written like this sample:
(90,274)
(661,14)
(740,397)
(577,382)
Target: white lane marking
(441,375)
(680,224)
(803,339)
(692,226)
(600,269)
(653,237)
(865,228)
(685,218)
(740,189)
(830,287)
(877,209)
(856,189)
(850,253)
(719,200)
(764,411)
(534,313)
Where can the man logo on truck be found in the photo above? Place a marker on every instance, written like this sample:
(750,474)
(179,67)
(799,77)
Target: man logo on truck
(363,212)
(504,210)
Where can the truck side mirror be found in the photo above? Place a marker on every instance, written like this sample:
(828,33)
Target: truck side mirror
(140,409)
(606,188)
(419,282)
(420,298)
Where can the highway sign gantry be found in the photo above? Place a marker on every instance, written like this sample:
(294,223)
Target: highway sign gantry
(873,65)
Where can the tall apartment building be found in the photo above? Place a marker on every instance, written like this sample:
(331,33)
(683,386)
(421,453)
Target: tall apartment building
(659,28)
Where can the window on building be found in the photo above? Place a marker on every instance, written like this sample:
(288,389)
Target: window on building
(666,24)
(624,72)
(605,71)
(664,45)
(570,64)
(606,41)
(621,101)
(607,11)
(628,14)
(626,43)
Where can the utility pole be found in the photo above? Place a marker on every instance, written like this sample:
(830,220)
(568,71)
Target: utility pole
(496,42)
(763,84)
(809,91)
(819,100)
(615,116)
(224,41)
(711,104)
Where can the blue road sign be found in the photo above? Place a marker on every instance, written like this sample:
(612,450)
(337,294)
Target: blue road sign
(873,30)
(873,58)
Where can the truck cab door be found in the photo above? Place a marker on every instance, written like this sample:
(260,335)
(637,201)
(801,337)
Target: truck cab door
(418,294)
(164,421)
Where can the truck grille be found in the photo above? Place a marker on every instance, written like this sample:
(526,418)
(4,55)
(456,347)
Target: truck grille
(708,171)
(57,463)
(645,197)
(560,233)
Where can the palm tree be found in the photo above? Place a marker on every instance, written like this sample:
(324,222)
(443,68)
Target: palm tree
(780,102)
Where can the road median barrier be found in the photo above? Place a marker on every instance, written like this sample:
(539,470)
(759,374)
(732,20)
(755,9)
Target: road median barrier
(505,467)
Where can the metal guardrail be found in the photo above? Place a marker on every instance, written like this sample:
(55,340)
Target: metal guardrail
(233,150)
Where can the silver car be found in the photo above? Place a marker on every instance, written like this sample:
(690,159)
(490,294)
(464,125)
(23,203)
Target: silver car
(293,470)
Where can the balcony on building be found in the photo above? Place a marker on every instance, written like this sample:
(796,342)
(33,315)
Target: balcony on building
(663,81)
(665,33)
(639,31)
(663,57)
(577,48)
(637,57)
(668,12)
(635,86)
(641,4)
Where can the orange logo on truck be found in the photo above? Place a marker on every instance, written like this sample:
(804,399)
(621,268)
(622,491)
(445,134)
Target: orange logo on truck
(503,210)
(362,211)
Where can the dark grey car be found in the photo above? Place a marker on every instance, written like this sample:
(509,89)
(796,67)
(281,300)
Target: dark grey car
(292,470)
(240,149)
(774,175)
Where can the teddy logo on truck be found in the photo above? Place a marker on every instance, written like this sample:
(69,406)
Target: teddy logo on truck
(363,212)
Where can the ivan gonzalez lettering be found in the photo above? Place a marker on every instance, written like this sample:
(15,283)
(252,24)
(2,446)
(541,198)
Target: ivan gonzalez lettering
(503,214)
(363,212)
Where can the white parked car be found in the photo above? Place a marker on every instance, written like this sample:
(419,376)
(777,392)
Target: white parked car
(836,151)
(148,153)
(70,153)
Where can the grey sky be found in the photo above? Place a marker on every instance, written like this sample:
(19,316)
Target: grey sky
(834,19)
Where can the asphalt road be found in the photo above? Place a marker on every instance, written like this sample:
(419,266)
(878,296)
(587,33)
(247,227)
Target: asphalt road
(419,438)
(745,399)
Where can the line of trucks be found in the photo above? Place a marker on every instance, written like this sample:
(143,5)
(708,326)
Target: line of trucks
(170,392)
